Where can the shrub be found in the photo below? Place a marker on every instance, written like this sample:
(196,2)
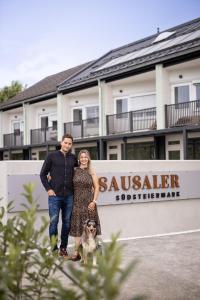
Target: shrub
(28,269)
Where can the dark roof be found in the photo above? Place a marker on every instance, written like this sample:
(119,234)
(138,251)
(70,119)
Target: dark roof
(44,88)
(95,70)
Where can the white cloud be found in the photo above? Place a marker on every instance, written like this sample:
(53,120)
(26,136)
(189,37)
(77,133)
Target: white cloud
(32,63)
(38,62)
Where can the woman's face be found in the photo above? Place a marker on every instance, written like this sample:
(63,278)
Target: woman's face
(84,159)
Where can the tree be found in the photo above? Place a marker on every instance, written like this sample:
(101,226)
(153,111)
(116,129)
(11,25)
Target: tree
(10,91)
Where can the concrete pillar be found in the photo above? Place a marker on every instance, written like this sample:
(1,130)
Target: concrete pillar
(101,108)
(185,142)
(60,114)
(100,146)
(162,95)
(124,145)
(160,152)
(104,101)
(26,118)
(1,129)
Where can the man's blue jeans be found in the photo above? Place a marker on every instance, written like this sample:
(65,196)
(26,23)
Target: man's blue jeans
(63,204)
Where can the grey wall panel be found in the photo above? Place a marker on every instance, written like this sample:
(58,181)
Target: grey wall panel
(15,190)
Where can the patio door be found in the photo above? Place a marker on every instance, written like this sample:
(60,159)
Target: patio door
(17,130)
(44,122)
(77,116)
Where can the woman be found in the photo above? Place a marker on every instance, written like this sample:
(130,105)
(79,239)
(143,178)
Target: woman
(86,190)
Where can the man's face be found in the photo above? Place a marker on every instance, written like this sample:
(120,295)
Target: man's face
(66,145)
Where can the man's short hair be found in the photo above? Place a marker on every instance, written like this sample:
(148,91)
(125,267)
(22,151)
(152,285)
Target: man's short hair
(67,136)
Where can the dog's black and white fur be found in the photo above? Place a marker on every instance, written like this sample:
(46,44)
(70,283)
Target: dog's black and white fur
(89,241)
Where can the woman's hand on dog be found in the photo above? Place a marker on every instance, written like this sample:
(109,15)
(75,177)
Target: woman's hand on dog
(91,206)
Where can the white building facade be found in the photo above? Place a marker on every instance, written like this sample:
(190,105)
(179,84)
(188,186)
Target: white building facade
(140,101)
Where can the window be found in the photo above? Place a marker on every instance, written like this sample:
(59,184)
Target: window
(16,128)
(198,95)
(121,105)
(92,150)
(173,143)
(194,148)
(198,91)
(174,154)
(54,125)
(122,108)
(163,35)
(92,114)
(44,122)
(113,156)
(182,95)
(42,155)
(140,151)
(16,156)
(77,116)
(52,132)
(142,102)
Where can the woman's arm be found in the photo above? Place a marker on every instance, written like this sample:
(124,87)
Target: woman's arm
(96,186)
(96,190)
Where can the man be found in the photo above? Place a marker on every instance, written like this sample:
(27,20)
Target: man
(59,186)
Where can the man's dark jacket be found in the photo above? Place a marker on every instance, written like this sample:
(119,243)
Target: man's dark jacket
(60,167)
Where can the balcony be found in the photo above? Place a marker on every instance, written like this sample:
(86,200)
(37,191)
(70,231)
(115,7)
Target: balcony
(132,121)
(181,114)
(83,128)
(43,135)
(13,139)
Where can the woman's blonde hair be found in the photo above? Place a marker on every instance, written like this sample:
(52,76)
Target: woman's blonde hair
(89,159)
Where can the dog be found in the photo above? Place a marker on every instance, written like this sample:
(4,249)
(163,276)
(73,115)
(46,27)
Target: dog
(89,242)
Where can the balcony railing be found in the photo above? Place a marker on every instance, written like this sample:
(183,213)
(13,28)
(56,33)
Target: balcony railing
(132,121)
(43,135)
(180,114)
(13,139)
(83,128)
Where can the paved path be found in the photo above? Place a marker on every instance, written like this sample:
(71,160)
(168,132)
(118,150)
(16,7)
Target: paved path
(168,267)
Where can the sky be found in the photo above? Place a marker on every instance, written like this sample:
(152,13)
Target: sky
(39,38)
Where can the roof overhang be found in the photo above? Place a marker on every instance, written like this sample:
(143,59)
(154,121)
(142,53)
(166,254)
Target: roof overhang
(28,100)
(78,87)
